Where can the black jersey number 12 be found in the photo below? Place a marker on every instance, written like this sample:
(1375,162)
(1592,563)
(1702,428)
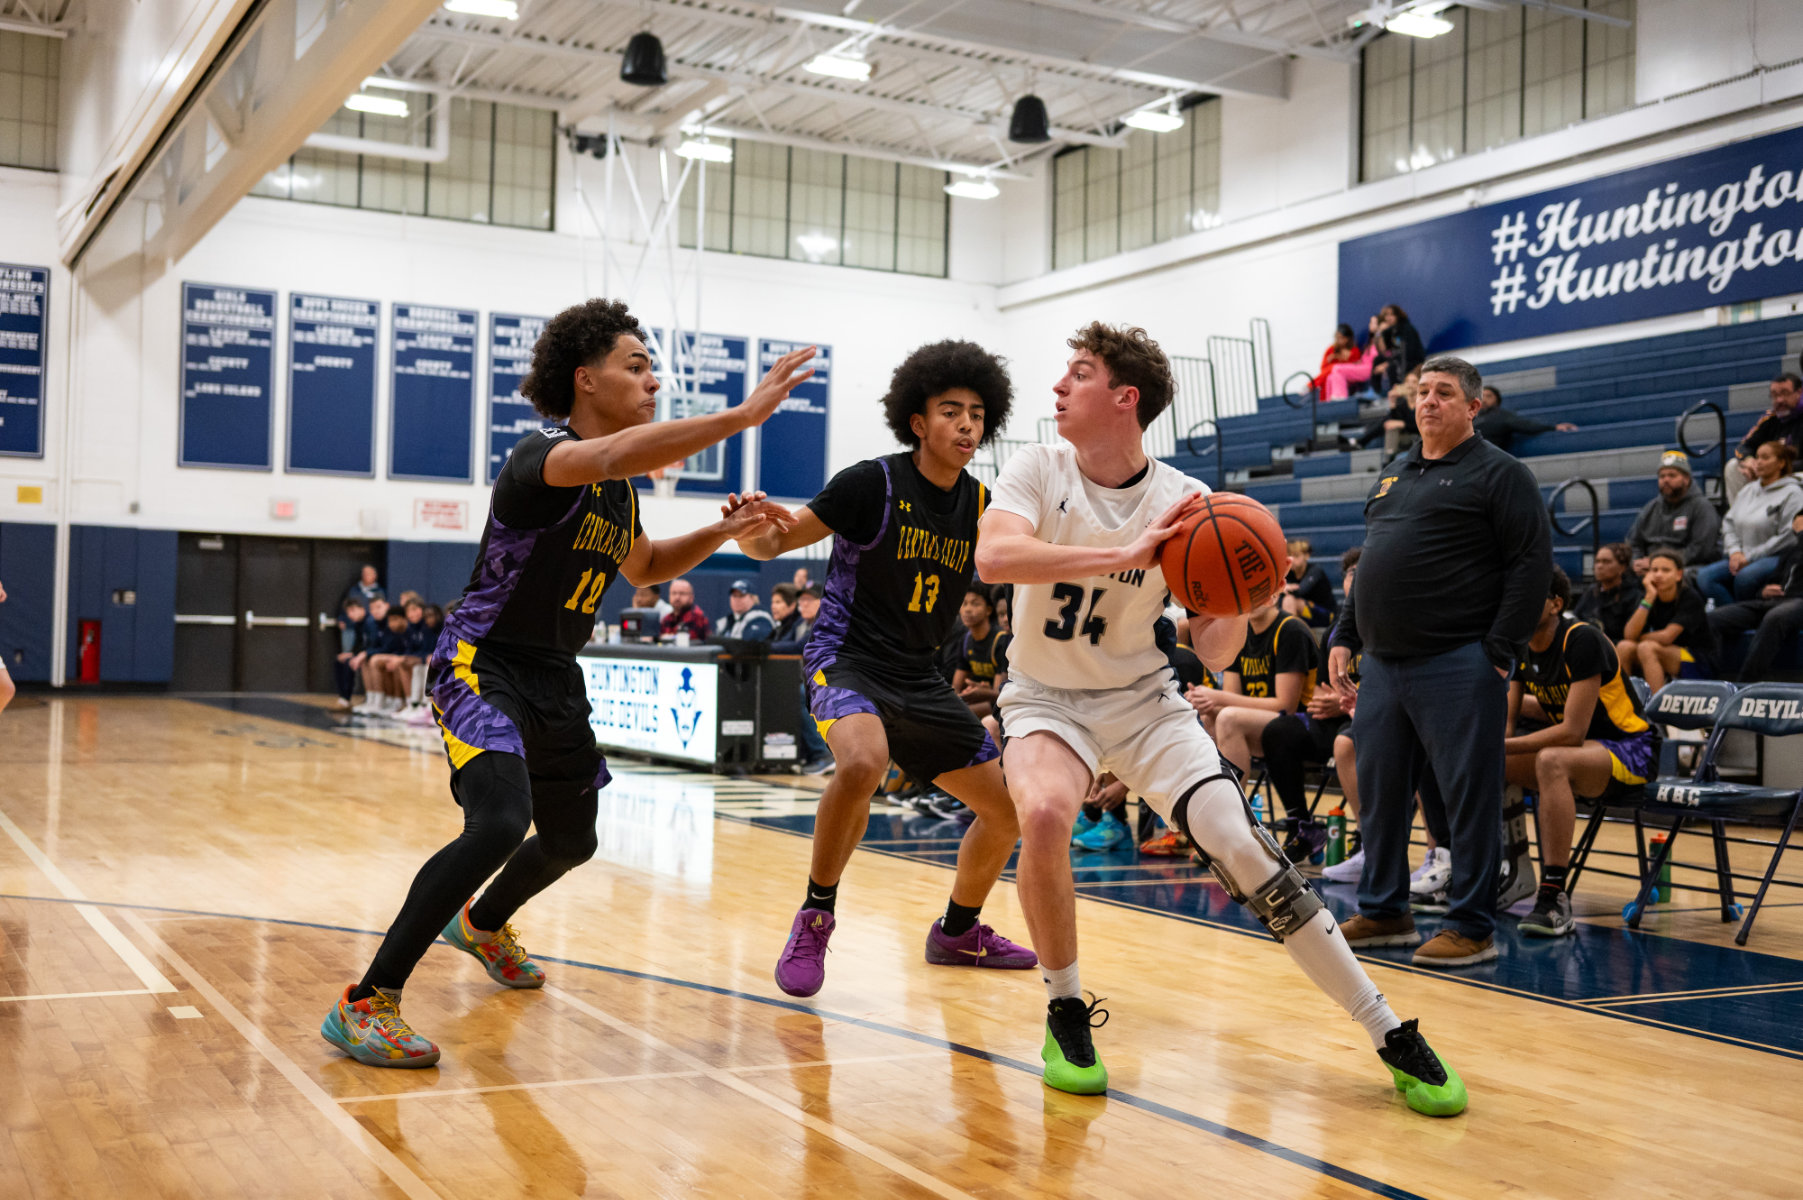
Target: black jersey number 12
(1064,627)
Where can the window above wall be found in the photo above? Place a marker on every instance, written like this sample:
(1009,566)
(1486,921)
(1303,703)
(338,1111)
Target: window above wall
(1500,75)
(1161,186)
(501,169)
(30,69)
(816,206)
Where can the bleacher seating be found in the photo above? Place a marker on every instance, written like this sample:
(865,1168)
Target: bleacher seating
(1624,396)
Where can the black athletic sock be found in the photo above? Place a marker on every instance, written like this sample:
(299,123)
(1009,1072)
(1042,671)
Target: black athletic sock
(821,896)
(1552,879)
(958,920)
(362,992)
(1093,811)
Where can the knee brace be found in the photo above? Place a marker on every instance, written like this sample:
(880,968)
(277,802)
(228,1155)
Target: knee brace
(1284,902)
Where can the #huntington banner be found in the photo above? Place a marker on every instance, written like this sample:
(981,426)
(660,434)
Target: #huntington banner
(1720,227)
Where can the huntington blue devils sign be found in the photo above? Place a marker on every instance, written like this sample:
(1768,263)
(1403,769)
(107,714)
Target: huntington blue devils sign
(1719,227)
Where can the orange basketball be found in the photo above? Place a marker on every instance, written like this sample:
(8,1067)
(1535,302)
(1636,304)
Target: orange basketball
(1227,556)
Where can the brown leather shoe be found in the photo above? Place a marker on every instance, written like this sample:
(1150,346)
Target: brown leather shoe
(1449,949)
(1380,931)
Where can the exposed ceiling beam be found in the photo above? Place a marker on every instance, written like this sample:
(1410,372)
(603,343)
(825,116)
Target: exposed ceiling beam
(31,28)
(803,142)
(1233,35)
(1564,10)
(434,29)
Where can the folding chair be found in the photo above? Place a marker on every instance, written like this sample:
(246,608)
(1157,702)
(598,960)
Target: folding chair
(1683,704)
(1766,710)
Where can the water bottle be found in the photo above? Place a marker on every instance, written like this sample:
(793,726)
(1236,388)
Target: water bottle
(1336,837)
(1663,893)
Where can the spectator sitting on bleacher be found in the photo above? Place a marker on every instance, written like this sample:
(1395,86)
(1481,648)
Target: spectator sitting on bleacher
(1757,528)
(1782,422)
(416,647)
(1777,614)
(1498,425)
(434,623)
(1668,637)
(1397,421)
(1596,741)
(1342,365)
(983,657)
(1611,600)
(783,612)
(1399,348)
(353,633)
(792,638)
(367,587)
(1306,592)
(685,616)
(747,622)
(1679,518)
(386,645)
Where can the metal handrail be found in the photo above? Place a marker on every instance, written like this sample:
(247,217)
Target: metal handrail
(1261,354)
(1593,522)
(1235,374)
(1197,408)
(1719,447)
(1305,400)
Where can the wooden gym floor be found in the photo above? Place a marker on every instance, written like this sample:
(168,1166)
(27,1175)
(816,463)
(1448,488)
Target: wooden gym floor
(186,885)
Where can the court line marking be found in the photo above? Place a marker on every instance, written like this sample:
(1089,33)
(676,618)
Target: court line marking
(1190,1120)
(1733,995)
(434,1093)
(133,958)
(1716,991)
(384,1159)
(777,1104)
(76,995)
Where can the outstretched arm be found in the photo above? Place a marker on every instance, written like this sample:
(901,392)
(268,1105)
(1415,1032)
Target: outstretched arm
(1008,552)
(769,540)
(647,447)
(663,559)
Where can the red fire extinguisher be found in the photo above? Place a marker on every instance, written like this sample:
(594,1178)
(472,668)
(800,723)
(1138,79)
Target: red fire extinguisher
(90,652)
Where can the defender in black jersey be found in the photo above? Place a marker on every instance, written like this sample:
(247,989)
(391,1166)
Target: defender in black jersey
(904,529)
(562,525)
(1597,742)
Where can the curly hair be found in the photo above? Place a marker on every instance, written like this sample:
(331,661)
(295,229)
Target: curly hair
(579,336)
(937,368)
(1133,359)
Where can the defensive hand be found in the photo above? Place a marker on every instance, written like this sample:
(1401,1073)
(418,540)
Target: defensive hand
(775,387)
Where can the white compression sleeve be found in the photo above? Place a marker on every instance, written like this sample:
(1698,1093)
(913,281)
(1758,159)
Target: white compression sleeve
(1218,822)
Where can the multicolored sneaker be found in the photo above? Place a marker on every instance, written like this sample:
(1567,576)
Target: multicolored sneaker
(1105,834)
(980,946)
(802,968)
(1169,844)
(372,1031)
(498,952)
(1071,1062)
(1422,1076)
(1551,916)
(1085,823)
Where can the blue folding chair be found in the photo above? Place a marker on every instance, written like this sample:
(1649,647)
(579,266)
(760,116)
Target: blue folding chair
(1684,704)
(1766,710)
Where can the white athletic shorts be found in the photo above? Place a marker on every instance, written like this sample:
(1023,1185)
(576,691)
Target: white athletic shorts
(1146,734)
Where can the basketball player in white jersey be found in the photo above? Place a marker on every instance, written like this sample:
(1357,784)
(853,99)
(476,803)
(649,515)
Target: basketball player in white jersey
(1076,528)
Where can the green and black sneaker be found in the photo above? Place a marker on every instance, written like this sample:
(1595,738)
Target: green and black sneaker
(1422,1076)
(1071,1064)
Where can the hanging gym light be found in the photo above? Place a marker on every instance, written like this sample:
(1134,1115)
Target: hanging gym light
(1029,122)
(643,62)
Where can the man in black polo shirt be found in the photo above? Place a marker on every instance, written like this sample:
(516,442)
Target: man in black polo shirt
(1458,552)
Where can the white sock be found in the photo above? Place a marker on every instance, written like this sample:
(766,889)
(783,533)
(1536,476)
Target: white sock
(1217,820)
(1061,982)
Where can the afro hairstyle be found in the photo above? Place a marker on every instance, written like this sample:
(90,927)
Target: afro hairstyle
(579,336)
(937,368)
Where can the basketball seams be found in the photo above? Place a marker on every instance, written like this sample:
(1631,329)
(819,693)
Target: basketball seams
(1214,522)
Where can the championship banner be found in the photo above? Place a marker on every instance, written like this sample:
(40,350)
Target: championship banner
(1719,227)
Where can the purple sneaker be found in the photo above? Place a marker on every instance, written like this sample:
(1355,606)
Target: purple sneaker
(980,947)
(802,968)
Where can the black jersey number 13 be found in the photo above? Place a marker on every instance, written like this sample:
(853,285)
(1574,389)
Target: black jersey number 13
(1063,627)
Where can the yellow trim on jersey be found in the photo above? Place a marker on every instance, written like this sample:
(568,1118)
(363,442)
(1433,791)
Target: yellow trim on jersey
(1618,771)
(982,500)
(1613,695)
(462,666)
(632,522)
(456,749)
(825,725)
(820,678)
(1685,656)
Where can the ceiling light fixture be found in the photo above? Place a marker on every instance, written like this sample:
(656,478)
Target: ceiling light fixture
(1418,24)
(1154,121)
(506,10)
(704,150)
(973,189)
(840,66)
(381,106)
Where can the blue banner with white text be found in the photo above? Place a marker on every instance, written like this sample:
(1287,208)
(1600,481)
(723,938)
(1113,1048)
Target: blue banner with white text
(332,384)
(713,371)
(228,374)
(433,394)
(24,347)
(510,415)
(1720,227)
(792,443)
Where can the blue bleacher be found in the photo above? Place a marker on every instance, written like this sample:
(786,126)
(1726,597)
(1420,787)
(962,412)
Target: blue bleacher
(1624,396)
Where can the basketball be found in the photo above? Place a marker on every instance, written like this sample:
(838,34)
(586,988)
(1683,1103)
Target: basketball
(1227,557)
